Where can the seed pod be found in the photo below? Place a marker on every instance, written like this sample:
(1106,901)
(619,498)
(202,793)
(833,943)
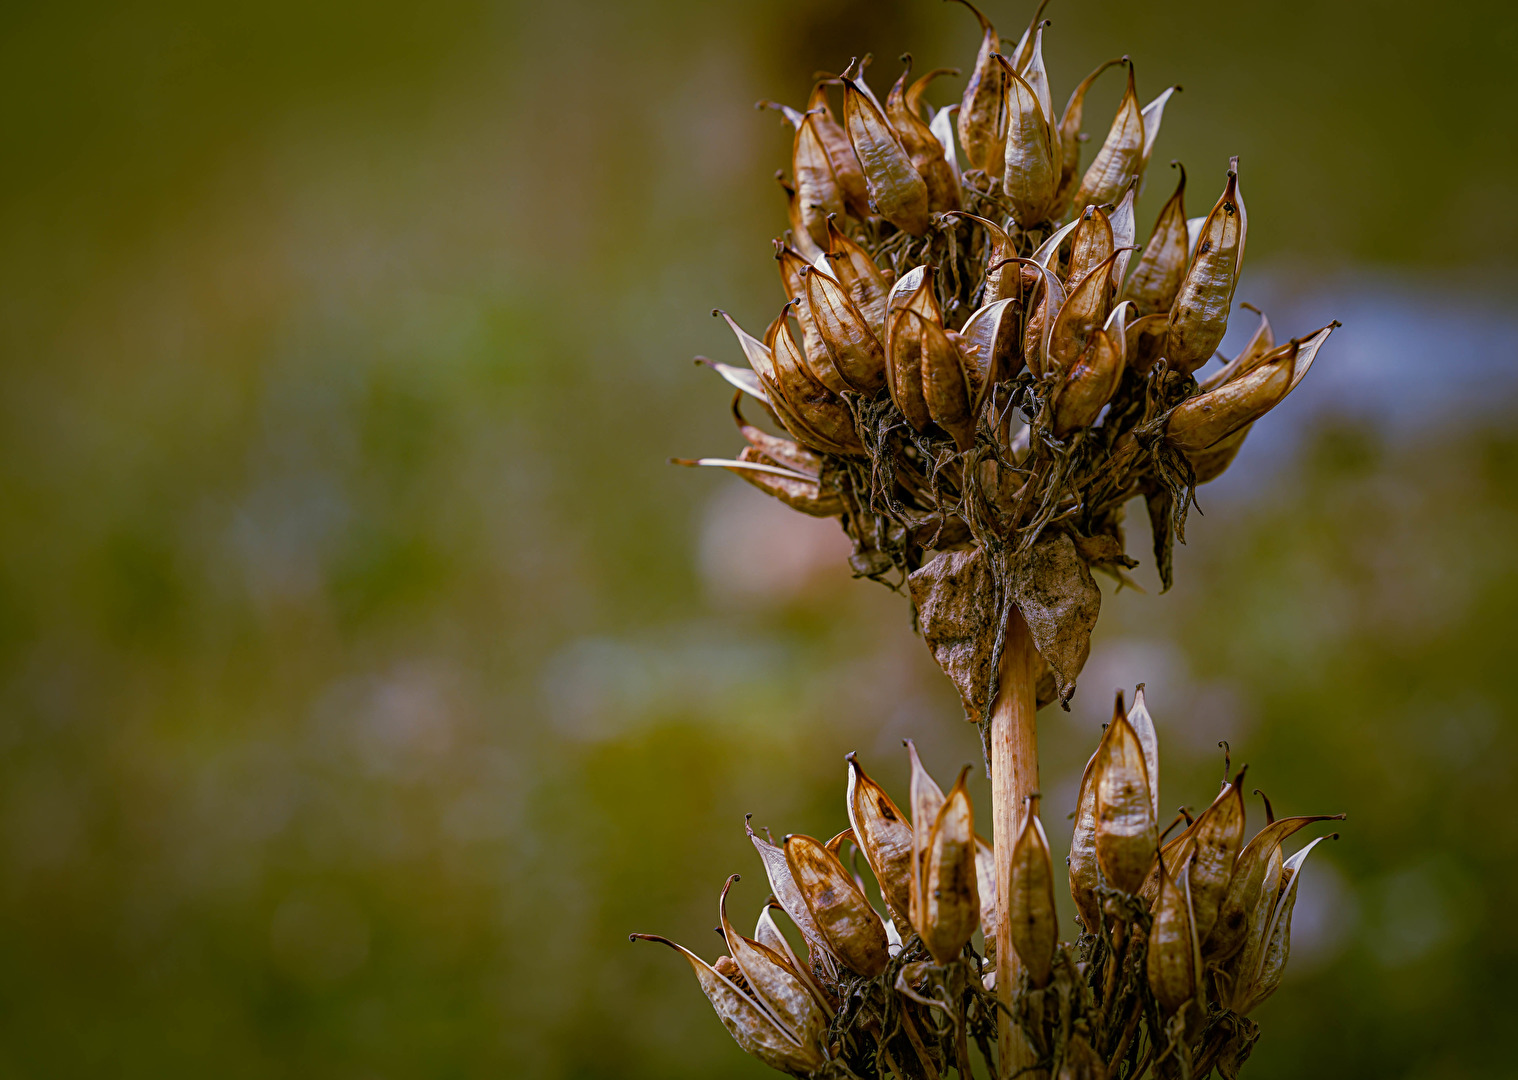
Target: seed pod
(1174,962)
(885,837)
(850,926)
(749,1023)
(777,987)
(1219,835)
(1124,233)
(762,360)
(1083,311)
(1146,341)
(904,366)
(985,885)
(982,111)
(1126,835)
(818,191)
(1031,178)
(1249,876)
(1029,63)
(1153,113)
(1207,465)
(945,389)
(783,452)
(950,900)
(858,274)
(927,799)
(897,191)
(1260,343)
(1048,299)
(1206,419)
(988,344)
(1267,977)
(856,353)
(1091,245)
(840,153)
(788,894)
(792,267)
(1001,276)
(1157,277)
(817,406)
(922,146)
(1070,134)
(1120,160)
(768,934)
(1143,727)
(796,490)
(1093,379)
(1199,316)
(1082,859)
(1241,971)
(1035,928)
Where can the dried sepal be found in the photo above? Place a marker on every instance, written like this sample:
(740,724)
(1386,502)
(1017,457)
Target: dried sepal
(1219,834)
(1120,160)
(772,980)
(885,836)
(1031,177)
(852,347)
(1030,908)
(1157,276)
(1199,316)
(982,119)
(1174,965)
(749,1023)
(950,903)
(839,909)
(1126,833)
(897,191)
(917,138)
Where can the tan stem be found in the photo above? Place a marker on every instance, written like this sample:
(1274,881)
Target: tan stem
(1014,776)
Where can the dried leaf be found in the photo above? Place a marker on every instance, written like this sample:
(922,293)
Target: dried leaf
(1053,589)
(953,594)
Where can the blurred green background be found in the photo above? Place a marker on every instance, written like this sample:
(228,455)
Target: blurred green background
(366,675)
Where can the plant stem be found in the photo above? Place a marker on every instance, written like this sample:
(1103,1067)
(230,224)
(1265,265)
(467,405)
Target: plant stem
(1014,776)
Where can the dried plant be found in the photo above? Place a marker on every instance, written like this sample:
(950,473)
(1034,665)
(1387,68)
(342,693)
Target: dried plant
(976,369)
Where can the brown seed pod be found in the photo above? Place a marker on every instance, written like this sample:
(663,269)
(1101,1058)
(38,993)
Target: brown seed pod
(1093,379)
(897,191)
(982,119)
(851,927)
(1070,133)
(1266,977)
(912,302)
(1079,317)
(1260,343)
(852,347)
(985,884)
(927,799)
(1204,420)
(793,269)
(1082,859)
(1120,160)
(1035,929)
(1174,961)
(945,388)
(750,1025)
(1031,177)
(1090,246)
(817,406)
(951,900)
(922,146)
(885,837)
(783,452)
(770,978)
(768,934)
(796,490)
(762,360)
(1125,824)
(1199,316)
(1162,264)
(789,896)
(988,343)
(1219,834)
(840,153)
(1250,871)
(859,275)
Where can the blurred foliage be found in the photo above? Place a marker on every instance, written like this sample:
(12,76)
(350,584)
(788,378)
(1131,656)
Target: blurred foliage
(363,675)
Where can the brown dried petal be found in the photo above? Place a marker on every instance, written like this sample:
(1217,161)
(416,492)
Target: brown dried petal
(853,930)
(951,901)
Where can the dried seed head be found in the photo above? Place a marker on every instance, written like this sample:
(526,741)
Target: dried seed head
(1258,980)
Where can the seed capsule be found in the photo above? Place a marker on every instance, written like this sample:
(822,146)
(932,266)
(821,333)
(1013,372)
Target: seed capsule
(793,267)
(1174,961)
(945,388)
(749,1023)
(850,926)
(951,901)
(1162,264)
(1031,178)
(1070,134)
(885,837)
(1120,160)
(1126,835)
(768,934)
(1035,929)
(982,111)
(1090,246)
(858,274)
(1219,835)
(1082,859)
(1082,313)
(1249,878)
(927,799)
(1266,978)
(897,191)
(917,138)
(904,344)
(840,153)
(988,344)
(778,988)
(1093,379)
(1206,419)
(1199,316)
(788,894)
(853,349)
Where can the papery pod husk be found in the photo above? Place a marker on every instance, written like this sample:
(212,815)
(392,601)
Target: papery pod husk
(1081,1062)
(1120,160)
(1029,64)
(1048,298)
(904,367)
(1259,345)
(768,934)
(885,837)
(848,923)
(926,798)
(857,273)
(1207,465)
(1219,834)
(856,353)
(817,406)
(1002,276)
(762,359)
(807,496)
(777,869)
(896,190)
(793,269)
(1082,313)
(988,345)
(798,233)
(1081,861)
(840,152)
(951,898)
(922,146)
(985,884)
(819,193)
(1278,939)
(1030,908)
(1161,265)
(1249,876)
(1153,113)
(1090,246)
(1173,962)
(1124,235)
(1093,379)
(1031,177)
(1143,726)
(784,452)
(1070,132)
(945,386)
(1199,316)
(1126,833)
(773,982)
(746,1020)
(982,109)
(1239,974)
(1207,419)
(743,379)
(1146,341)
(1173,855)
(1054,591)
